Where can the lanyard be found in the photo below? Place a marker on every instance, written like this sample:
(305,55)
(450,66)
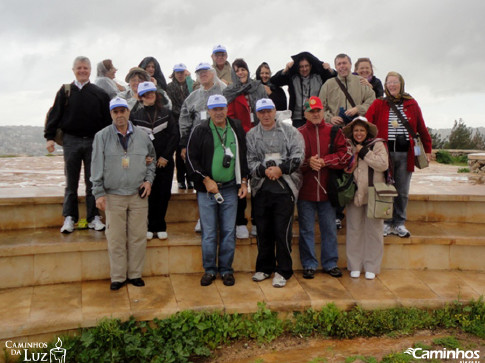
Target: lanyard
(223,137)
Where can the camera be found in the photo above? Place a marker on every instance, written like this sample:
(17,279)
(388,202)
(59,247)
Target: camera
(218,197)
(226,161)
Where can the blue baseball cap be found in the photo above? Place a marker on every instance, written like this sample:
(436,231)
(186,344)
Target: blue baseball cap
(202,67)
(264,104)
(145,87)
(216,101)
(179,67)
(219,48)
(117,102)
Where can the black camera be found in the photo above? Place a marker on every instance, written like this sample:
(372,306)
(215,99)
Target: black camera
(226,161)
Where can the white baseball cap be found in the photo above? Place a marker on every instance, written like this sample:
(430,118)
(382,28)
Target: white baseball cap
(264,104)
(202,67)
(179,67)
(219,48)
(145,87)
(216,101)
(117,102)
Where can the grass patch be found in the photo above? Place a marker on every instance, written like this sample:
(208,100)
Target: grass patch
(464,170)
(447,342)
(190,335)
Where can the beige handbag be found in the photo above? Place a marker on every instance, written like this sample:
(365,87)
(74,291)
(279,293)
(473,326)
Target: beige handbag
(380,198)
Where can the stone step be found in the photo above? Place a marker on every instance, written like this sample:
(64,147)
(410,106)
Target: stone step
(32,257)
(35,211)
(27,311)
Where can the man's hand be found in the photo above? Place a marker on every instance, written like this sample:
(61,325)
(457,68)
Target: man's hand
(161,163)
(148,189)
(50,146)
(336,120)
(243,191)
(365,82)
(210,185)
(316,163)
(288,66)
(351,112)
(273,173)
(101,203)
(268,90)
(148,160)
(183,153)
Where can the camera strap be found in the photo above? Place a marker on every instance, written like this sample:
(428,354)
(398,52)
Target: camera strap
(223,137)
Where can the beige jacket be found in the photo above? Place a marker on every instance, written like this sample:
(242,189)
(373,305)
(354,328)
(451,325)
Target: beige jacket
(225,73)
(333,97)
(378,160)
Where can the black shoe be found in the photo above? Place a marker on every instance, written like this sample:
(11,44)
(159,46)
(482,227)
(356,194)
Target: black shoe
(207,279)
(137,282)
(228,279)
(117,285)
(190,185)
(182,185)
(334,272)
(308,273)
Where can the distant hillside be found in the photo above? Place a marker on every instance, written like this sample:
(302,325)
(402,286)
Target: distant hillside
(29,140)
(22,140)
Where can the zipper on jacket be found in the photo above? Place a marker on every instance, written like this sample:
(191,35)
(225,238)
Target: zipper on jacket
(318,153)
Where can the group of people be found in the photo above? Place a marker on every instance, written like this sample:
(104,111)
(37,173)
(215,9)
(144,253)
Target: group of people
(225,132)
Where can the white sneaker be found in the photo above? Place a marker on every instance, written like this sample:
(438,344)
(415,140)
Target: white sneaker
(370,275)
(260,276)
(149,235)
(242,231)
(278,280)
(68,226)
(387,230)
(96,224)
(355,274)
(401,231)
(254,230)
(162,235)
(198,229)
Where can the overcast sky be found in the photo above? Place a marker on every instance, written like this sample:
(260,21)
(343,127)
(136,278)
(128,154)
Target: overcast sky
(438,46)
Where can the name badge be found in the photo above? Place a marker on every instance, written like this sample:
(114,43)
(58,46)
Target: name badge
(150,135)
(203,115)
(125,162)
(417,151)
(252,118)
(276,157)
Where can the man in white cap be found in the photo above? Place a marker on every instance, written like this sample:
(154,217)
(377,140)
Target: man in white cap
(121,184)
(275,152)
(220,63)
(216,161)
(194,108)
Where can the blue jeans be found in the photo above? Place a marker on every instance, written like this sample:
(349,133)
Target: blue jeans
(328,234)
(222,217)
(77,151)
(402,178)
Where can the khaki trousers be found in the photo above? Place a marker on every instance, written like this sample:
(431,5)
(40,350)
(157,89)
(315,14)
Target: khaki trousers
(126,231)
(364,240)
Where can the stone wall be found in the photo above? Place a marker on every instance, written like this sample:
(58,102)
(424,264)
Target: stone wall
(476,162)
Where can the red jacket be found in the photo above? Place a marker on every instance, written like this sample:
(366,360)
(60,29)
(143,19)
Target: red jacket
(378,114)
(239,109)
(317,142)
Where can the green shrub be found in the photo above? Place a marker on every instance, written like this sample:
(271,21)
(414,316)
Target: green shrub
(443,157)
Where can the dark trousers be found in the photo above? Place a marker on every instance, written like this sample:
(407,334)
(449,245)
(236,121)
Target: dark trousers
(241,209)
(77,151)
(180,164)
(273,214)
(159,197)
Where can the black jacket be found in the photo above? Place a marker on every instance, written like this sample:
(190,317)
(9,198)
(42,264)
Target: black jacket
(280,79)
(166,140)
(200,151)
(86,113)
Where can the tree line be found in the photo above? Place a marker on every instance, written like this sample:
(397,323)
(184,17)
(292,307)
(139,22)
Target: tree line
(461,137)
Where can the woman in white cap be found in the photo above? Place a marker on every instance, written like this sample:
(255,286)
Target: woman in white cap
(364,240)
(158,123)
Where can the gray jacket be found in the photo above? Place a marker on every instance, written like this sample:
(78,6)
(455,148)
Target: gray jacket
(194,109)
(286,148)
(107,173)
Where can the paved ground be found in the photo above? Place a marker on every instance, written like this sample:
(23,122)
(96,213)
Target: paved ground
(43,175)
(51,308)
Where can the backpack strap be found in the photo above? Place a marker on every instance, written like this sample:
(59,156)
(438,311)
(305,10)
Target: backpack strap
(333,134)
(345,91)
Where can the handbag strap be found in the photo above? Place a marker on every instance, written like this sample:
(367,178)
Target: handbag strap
(344,90)
(403,119)
(371,176)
